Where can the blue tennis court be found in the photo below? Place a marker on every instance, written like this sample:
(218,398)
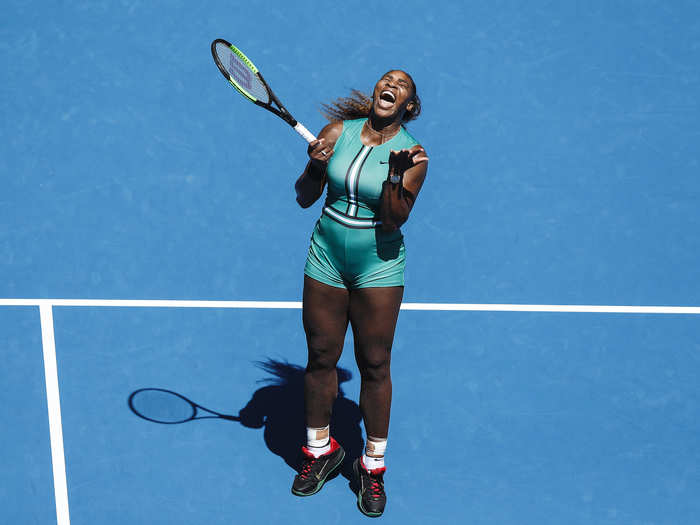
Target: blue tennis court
(546,363)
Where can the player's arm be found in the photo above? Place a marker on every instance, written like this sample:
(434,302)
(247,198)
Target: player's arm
(407,171)
(309,185)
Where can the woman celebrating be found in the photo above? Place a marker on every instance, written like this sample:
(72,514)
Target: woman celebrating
(354,272)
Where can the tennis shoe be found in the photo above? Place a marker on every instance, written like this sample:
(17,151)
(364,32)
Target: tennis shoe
(314,471)
(371,498)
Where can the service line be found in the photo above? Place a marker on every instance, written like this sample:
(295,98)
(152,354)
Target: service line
(438,307)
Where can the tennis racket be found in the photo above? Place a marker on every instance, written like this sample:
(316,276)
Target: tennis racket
(169,408)
(240,71)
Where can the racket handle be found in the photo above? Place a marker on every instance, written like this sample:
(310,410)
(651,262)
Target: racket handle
(308,136)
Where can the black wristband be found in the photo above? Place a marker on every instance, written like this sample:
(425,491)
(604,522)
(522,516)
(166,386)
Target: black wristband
(316,172)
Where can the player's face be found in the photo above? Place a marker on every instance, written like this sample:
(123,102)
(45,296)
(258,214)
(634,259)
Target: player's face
(393,94)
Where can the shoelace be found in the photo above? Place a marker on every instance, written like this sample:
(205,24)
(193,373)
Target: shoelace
(376,487)
(307,467)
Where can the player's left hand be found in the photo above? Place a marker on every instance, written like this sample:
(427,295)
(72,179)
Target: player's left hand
(400,161)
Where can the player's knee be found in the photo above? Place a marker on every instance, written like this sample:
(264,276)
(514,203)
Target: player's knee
(375,374)
(323,354)
(374,364)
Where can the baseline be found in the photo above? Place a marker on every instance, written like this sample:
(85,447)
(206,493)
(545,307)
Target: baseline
(441,307)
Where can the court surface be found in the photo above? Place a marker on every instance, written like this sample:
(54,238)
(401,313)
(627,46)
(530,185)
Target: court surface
(546,364)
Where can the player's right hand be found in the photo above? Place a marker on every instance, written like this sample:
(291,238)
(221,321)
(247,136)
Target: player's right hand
(320,152)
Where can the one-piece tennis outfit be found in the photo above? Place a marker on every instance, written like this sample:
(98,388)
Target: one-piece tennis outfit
(348,247)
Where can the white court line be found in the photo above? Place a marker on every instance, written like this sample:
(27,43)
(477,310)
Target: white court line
(440,307)
(58,459)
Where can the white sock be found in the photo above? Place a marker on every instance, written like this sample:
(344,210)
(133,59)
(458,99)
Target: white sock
(318,440)
(373,458)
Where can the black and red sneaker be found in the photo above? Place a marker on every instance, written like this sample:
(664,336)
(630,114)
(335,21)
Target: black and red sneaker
(370,489)
(315,470)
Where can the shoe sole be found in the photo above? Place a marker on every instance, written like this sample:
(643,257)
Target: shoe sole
(322,481)
(359,496)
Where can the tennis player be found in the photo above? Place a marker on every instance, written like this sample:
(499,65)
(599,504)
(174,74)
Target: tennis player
(373,170)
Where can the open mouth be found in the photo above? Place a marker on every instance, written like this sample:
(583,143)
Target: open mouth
(387,96)
(386,99)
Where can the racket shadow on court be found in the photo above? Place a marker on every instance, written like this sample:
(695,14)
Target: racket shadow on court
(277,407)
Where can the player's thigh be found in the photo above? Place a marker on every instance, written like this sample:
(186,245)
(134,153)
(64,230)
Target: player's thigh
(373,316)
(325,316)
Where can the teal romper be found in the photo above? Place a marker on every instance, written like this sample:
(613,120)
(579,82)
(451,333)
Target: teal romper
(348,247)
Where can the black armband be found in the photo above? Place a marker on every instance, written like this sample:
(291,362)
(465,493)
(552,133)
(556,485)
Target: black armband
(315,173)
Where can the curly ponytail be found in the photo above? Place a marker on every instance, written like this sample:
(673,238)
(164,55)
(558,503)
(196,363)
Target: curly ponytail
(357,105)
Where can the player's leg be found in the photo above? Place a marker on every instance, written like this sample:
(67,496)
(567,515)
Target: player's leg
(373,315)
(325,316)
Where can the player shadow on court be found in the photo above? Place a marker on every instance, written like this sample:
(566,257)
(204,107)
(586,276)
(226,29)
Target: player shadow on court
(277,407)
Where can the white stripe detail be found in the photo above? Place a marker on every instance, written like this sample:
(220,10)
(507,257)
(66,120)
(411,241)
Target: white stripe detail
(58,459)
(352,179)
(439,307)
(363,223)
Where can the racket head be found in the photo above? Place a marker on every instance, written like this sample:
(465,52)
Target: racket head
(162,406)
(240,71)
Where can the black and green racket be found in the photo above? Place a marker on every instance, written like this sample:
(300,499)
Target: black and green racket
(245,77)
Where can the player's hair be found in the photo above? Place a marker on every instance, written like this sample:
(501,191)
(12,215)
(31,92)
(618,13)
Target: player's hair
(358,105)
(285,373)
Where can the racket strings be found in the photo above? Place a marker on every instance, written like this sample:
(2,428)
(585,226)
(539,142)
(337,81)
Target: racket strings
(241,73)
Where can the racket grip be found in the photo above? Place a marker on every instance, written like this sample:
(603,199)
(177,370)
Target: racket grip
(308,136)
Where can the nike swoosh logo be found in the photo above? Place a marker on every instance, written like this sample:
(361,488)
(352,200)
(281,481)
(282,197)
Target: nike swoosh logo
(320,474)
